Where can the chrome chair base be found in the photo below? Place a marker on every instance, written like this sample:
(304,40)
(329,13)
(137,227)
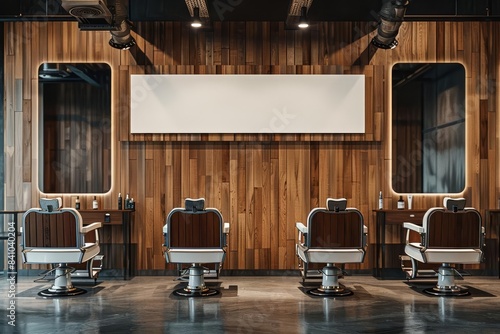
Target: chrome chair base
(330,292)
(61,293)
(206,292)
(196,286)
(62,287)
(454,291)
(330,286)
(446,283)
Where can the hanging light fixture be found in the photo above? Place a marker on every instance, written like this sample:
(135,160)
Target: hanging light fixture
(196,22)
(391,17)
(303,22)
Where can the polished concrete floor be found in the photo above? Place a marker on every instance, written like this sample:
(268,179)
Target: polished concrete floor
(257,304)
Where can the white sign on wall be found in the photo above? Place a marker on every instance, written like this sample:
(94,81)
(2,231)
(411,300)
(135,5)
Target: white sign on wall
(247,103)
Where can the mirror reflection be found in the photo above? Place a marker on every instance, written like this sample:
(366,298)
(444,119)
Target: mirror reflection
(428,128)
(74,127)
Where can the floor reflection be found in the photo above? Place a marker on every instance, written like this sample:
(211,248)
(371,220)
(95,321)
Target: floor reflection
(190,312)
(254,305)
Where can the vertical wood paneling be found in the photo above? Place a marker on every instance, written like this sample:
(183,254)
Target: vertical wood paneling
(261,183)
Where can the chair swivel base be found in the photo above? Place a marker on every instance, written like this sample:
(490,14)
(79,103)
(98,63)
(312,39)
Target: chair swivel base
(62,292)
(62,286)
(196,286)
(330,292)
(204,292)
(446,284)
(330,286)
(454,291)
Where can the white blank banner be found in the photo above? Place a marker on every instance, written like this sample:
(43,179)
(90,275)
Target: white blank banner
(247,104)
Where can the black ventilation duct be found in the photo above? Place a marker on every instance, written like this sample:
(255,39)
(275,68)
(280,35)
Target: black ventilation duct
(391,16)
(103,15)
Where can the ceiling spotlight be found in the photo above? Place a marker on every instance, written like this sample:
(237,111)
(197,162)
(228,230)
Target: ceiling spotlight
(391,17)
(303,22)
(196,22)
(121,38)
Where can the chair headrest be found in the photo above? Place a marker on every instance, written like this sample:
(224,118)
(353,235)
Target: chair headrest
(50,204)
(192,204)
(336,204)
(454,204)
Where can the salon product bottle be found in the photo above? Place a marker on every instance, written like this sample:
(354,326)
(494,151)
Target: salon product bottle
(127,202)
(131,204)
(410,202)
(380,201)
(401,203)
(95,205)
(120,202)
(77,203)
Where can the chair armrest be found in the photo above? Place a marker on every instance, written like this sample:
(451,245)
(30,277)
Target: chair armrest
(302,233)
(91,227)
(301,227)
(416,228)
(226,228)
(413,227)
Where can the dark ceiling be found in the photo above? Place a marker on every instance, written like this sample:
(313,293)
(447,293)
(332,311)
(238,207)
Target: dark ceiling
(264,10)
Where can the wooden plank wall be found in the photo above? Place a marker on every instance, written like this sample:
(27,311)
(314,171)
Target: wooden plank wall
(262,184)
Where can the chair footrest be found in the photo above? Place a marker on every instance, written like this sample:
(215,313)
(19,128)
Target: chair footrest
(426,273)
(314,274)
(96,265)
(212,274)
(80,274)
(407,268)
(317,273)
(208,273)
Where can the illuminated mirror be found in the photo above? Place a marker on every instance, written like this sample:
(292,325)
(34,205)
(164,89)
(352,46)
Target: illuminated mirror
(74,127)
(428,128)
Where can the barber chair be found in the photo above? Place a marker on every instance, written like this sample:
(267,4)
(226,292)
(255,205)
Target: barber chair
(333,235)
(195,236)
(452,234)
(56,236)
